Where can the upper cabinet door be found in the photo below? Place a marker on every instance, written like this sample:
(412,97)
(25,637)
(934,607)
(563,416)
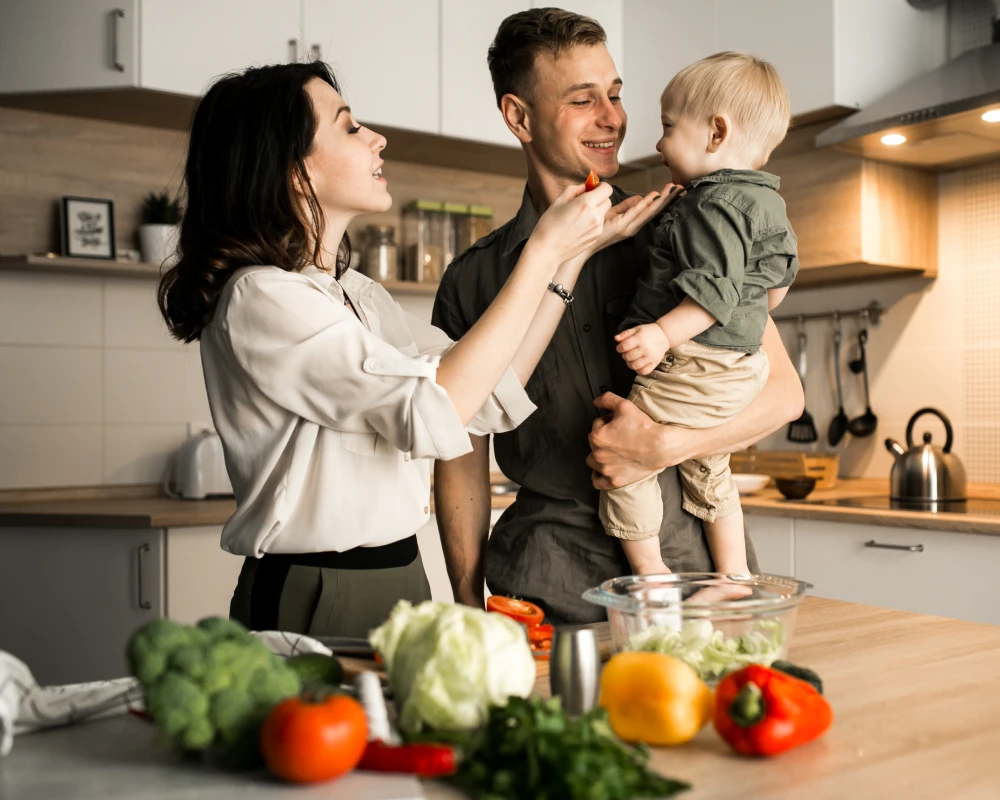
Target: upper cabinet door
(52,45)
(187,44)
(661,37)
(468,104)
(386,57)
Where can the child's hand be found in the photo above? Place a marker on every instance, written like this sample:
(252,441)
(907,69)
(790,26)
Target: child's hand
(643,347)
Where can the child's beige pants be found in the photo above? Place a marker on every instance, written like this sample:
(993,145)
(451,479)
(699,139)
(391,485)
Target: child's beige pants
(695,386)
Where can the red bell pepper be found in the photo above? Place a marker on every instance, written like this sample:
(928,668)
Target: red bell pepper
(762,712)
(591,183)
(422,760)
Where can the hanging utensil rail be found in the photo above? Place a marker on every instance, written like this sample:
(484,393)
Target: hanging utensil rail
(872,313)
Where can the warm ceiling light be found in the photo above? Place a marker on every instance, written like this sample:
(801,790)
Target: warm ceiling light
(993,115)
(892,139)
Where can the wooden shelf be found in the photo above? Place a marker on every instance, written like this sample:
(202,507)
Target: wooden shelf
(43,262)
(410,287)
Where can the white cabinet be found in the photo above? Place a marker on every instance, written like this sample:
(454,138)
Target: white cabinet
(200,576)
(48,45)
(836,52)
(187,44)
(773,540)
(468,104)
(386,56)
(930,572)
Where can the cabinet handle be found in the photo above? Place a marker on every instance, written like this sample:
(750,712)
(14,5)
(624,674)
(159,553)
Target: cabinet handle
(317,52)
(911,548)
(143,603)
(293,50)
(116,18)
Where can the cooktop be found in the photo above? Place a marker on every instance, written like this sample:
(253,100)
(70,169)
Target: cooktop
(990,508)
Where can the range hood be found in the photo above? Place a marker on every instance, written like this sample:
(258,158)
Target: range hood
(940,115)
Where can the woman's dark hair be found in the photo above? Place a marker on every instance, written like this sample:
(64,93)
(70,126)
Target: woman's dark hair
(522,36)
(250,137)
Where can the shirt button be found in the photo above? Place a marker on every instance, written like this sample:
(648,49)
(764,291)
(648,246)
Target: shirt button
(586,328)
(427,509)
(704,469)
(406,456)
(602,388)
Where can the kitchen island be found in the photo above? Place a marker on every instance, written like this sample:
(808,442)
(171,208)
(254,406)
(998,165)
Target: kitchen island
(913,696)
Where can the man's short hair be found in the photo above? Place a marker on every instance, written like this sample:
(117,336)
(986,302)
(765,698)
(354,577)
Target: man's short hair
(747,88)
(523,36)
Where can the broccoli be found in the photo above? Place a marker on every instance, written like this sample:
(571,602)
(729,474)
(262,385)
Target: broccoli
(210,684)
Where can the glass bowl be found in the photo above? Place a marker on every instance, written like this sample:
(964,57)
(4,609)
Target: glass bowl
(716,623)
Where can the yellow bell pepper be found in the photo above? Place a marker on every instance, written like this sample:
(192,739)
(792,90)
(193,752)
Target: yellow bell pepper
(654,698)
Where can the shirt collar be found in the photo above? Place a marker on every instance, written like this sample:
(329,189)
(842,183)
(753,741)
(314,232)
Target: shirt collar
(352,281)
(755,176)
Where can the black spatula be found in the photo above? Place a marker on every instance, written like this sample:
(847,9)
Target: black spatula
(803,430)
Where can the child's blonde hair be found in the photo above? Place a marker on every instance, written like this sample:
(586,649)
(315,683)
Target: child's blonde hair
(747,88)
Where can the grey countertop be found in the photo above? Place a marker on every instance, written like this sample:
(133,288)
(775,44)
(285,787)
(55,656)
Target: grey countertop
(118,759)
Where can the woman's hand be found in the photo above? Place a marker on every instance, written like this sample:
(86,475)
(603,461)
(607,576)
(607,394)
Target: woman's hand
(573,223)
(628,446)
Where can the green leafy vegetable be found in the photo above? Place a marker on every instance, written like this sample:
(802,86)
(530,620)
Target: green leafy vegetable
(707,651)
(448,664)
(533,749)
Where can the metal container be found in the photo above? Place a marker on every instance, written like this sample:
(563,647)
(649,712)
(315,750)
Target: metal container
(381,255)
(575,668)
(926,474)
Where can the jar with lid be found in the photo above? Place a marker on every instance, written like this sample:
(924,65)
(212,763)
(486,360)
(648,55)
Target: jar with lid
(424,241)
(472,226)
(381,254)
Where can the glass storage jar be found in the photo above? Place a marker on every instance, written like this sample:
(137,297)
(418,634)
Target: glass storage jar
(381,253)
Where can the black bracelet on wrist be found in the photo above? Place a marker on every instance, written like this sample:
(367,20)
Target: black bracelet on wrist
(559,289)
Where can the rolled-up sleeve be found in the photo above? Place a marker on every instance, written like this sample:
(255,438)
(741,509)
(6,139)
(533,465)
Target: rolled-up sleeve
(312,356)
(713,245)
(506,408)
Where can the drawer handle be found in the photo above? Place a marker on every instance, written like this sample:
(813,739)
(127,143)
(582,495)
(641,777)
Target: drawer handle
(143,603)
(117,16)
(911,548)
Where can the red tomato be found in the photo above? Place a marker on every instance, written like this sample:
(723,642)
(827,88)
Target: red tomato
(540,633)
(518,610)
(305,740)
(591,182)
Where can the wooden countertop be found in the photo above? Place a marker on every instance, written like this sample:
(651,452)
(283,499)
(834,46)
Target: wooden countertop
(770,503)
(138,507)
(914,715)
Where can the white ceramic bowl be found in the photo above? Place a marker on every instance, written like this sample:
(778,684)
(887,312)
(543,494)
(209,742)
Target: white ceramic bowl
(748,483)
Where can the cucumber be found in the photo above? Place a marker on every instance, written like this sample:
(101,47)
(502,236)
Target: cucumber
(316,670)
(802,673)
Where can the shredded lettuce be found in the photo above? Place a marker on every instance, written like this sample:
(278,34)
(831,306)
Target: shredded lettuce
(707,651)
(448,664)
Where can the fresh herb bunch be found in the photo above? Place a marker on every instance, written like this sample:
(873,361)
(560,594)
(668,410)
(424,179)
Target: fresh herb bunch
(532,748)
(159,209)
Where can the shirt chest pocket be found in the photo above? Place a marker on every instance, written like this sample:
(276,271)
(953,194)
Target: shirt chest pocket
(368,443)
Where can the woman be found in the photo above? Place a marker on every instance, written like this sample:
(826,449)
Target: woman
(329,399)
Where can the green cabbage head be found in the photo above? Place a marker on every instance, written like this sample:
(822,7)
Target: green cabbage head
(448,664)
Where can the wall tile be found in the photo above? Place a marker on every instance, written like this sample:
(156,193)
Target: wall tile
(50,385)
(50,455)
(143,386)
(139,453)
(131,317)
(49,309)
(195,399)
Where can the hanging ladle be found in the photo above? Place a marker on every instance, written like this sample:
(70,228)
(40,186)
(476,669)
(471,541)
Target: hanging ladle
(838,425)
(865,424)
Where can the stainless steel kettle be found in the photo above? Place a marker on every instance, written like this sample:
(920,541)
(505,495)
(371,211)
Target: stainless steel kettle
(926,474)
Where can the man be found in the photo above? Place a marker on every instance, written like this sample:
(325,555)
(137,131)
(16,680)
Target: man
(558,90)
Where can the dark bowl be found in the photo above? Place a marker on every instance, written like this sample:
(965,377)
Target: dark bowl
(795,488)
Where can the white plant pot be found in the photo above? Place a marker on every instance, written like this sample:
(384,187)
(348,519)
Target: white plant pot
(159,244)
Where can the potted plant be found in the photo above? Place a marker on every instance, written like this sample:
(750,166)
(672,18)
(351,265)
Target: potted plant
(160,229)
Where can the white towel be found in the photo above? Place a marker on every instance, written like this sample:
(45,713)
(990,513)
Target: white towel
(25,706)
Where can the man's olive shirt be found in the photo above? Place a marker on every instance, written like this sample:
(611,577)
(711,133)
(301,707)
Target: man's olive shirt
(550,546)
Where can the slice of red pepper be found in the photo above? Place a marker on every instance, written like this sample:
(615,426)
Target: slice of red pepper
(591,183)
(762,712)
(422,760)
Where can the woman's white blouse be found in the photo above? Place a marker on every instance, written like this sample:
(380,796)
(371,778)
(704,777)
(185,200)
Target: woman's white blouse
(329,424)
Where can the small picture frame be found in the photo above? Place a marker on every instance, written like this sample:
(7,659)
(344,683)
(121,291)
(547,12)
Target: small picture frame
(88,227)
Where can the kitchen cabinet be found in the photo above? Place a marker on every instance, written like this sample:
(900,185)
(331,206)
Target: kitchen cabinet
(468,104)
(386,56)
(187,44)
(930,572)
(48,45)
(774,542)
(72,597)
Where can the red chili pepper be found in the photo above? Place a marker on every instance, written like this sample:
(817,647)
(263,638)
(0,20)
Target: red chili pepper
(423,760)
(762,712)
(591,183)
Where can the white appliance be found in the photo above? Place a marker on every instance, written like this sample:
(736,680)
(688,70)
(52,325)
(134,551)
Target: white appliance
(198,469)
